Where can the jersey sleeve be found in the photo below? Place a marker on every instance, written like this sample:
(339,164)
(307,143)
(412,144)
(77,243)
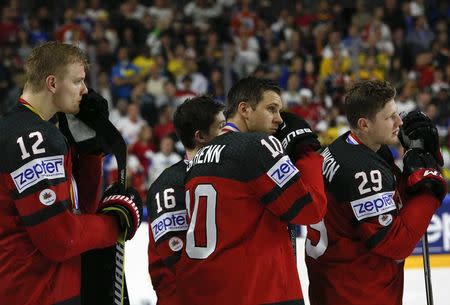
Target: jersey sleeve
(400,238)
(87,172)
(388,224)
(167,215)
(38,175)
(163,278)
(282,185)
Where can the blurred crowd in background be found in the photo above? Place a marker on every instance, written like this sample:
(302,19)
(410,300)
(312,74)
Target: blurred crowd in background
(147,57)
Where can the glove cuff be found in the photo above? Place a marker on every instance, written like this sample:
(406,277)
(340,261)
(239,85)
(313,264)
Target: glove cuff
(123,207)
(298,150)
(429,178)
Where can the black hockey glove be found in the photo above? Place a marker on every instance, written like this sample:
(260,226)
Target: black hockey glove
(418,131)
(127,207)
(422,172)
(92,106)
(78,129)
(296,136)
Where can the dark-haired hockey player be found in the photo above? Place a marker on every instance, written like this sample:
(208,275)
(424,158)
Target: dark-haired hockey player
(197,121)
(242,191)
(376,214)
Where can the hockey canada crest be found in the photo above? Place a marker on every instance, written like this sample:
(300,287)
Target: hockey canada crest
(47,197)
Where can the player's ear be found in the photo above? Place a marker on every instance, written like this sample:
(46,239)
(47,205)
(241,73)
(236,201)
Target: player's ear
(199,137)
(363,124)
(244,109)
(50,83)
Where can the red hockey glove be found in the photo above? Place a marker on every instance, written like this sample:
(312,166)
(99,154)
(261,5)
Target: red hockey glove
(296,136)
(418,131)
(126,207)
(422,172)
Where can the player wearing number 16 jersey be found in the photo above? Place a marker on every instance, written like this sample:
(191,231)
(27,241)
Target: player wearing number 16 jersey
(242,190)
(376,214)
(196,121)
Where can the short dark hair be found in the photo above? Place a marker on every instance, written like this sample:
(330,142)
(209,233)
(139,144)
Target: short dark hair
(194,114)
(249,89)
(365,98)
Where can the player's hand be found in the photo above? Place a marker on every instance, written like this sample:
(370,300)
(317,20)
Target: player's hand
(296,136)
(126,206)
(78,128)
(422,172)
(418,131)
(92,106)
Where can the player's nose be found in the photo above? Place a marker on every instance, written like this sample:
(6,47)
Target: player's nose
(84,89)
(399,120)
(277,118)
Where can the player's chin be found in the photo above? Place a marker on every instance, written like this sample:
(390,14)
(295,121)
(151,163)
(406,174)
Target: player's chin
(74,110)
(393,140)
(272,131)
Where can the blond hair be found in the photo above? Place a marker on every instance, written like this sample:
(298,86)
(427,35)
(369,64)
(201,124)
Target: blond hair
(51,58)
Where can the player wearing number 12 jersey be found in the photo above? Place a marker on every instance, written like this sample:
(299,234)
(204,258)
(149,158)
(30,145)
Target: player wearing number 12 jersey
(376,214)
(196,121)
(242,190)
(46,220)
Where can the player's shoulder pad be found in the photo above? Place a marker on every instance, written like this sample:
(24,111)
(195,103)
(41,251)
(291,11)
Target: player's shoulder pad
(171,176)
(343,160)
(167,193)
(252,143)
(166,205)
(359,176)
(32,150)
(25,138)
(265,154)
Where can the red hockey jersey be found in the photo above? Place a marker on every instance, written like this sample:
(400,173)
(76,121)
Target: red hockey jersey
(355,255)
(41,238)
(167,230)
(241,192)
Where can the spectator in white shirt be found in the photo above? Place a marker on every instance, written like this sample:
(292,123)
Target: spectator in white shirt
(163,159)
(130,125)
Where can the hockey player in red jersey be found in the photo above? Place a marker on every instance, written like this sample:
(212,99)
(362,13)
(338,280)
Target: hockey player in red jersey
(241,192)
(376,214)
(46,221)
(196,121)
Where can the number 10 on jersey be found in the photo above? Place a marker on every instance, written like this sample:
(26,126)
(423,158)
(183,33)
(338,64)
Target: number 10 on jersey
(199,222)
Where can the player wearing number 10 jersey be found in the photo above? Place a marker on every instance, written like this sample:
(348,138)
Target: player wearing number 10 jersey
(376,214)
(242,191)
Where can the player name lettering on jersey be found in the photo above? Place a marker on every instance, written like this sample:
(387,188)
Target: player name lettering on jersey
(207,154)
(37,170)
(330,165)
(373,205)
(282,171)
(169,222)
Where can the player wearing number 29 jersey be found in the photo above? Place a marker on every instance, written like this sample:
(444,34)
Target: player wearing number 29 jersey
(241,193)
(351,239)
(355,255)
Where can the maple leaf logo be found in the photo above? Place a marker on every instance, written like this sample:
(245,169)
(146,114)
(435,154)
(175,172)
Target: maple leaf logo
(46,196)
